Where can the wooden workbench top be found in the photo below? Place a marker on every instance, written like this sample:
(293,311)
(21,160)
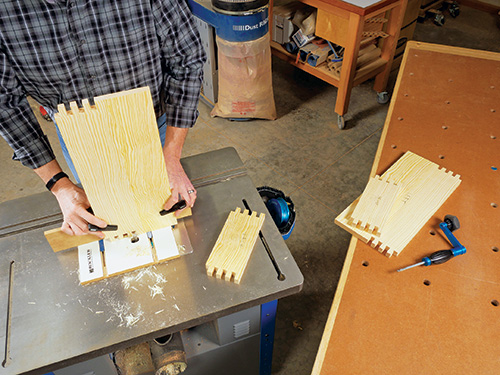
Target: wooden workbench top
(361,7)
(441,319)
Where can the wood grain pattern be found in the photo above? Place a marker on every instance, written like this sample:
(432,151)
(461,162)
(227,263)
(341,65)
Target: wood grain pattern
(424,187)
(117,152)
(59,241)
(375,204)
(234,245)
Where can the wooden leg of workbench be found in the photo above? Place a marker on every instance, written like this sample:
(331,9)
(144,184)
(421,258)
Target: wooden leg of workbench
(389,44)
(349,63)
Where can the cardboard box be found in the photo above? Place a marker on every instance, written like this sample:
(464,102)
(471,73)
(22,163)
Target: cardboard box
(283,28)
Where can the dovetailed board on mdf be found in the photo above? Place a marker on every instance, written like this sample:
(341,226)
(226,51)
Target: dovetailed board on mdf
(423,188)
(231,253)
(117,152)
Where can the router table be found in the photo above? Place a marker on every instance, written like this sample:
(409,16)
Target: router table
(441,319)
(56,322)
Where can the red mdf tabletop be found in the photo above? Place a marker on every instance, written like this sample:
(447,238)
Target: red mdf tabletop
(441,319)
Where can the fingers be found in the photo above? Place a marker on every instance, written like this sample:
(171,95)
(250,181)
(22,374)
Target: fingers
(189,195)
(181,186)
(89,218)
(76,223)
(67,229)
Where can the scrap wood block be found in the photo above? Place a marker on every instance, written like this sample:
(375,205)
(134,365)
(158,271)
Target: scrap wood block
(58,240)
(117,152)
(423,188)
(375,204)
(235,244)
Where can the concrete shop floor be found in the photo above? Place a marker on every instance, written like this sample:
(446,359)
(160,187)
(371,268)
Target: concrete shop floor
(304,154)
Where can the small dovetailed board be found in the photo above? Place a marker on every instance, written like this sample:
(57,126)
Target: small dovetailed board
(231,252)
(123,255)
(116,149)
(420,188)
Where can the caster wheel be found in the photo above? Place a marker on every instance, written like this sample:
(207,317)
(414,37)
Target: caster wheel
(454,10)
(382,97)
(341,122)
(452,222)
(439,20)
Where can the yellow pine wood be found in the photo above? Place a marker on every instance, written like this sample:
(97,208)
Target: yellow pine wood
(423,188)
(231,252)
(58,240)
(375,204)
(117,153)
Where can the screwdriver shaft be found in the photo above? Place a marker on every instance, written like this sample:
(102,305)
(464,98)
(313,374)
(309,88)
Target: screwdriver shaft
(413,265)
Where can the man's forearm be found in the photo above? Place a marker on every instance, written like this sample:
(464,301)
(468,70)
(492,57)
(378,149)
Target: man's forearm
(174,141)
(47,171)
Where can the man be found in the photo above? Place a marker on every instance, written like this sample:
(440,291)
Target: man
(59,51)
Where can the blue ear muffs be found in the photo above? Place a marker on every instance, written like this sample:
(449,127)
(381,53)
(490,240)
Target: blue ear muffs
(281,209)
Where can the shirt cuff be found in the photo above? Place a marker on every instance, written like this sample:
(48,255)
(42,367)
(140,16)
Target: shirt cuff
(180,117)
(35,154)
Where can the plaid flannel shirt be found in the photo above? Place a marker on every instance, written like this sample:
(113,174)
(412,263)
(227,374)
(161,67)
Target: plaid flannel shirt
(59,51)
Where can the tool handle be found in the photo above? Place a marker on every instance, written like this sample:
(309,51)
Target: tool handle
(108,228)
(178,206)
(438,257)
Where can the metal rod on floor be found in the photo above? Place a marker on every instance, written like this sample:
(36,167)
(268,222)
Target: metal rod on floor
(8,323)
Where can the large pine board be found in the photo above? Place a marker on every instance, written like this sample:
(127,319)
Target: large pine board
(117,152)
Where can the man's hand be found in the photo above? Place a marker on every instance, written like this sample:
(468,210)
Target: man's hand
(181,186)
(74,204)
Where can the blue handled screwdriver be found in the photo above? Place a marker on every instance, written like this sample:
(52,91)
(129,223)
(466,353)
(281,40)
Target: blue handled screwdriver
(437,257)
(449,225)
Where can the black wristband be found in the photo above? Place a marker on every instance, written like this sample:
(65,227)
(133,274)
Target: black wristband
(50,184)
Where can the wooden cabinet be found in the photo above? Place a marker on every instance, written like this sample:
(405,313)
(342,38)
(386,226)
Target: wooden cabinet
(347,24)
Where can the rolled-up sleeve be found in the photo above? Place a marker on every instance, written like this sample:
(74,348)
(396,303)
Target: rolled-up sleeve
(18,125)
(183,58)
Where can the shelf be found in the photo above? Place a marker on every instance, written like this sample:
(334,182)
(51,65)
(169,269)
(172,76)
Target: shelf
(322,72)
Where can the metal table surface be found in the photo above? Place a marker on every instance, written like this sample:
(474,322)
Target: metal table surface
(57,322)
